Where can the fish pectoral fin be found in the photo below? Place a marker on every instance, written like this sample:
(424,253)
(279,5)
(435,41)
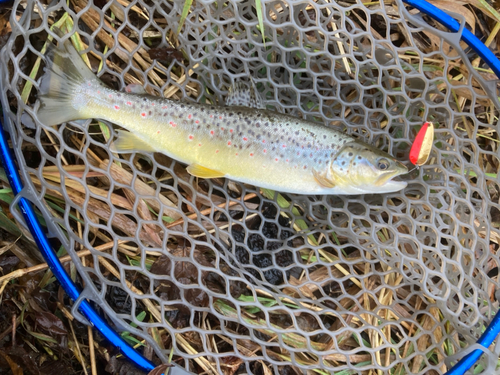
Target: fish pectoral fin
(322,180)
(203,172)
(127,142)
(243,95)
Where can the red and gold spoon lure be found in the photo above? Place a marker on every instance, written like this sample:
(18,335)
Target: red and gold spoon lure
(421,148)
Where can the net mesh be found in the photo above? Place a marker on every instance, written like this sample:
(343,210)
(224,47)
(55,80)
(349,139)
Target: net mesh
(236,279)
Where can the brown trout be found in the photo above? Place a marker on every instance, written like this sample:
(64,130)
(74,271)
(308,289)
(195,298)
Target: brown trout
(241,141)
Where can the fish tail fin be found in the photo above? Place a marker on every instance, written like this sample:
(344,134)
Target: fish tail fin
(65,71)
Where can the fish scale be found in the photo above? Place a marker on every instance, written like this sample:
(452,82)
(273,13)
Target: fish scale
(247,144)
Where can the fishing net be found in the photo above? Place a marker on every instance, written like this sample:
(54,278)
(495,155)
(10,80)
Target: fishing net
(230,278)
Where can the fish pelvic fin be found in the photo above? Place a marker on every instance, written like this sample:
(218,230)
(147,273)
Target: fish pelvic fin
(65,71)
(128,142)
(242,95)
(203,172)
(323,180)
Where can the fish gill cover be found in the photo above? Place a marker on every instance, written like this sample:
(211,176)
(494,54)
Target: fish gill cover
(232,278)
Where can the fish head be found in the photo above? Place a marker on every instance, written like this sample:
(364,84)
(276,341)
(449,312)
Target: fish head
(363,168)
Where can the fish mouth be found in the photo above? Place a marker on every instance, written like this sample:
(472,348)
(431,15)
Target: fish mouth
(394,185)
(388,184)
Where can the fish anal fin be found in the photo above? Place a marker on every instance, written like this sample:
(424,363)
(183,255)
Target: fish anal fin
(242,95)
(323,180)
(203,172)
(127,142)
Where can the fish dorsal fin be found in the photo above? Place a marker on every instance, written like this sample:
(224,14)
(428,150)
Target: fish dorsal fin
(322,180)
(241,94)
(135,88)
(203,172)
(127,142)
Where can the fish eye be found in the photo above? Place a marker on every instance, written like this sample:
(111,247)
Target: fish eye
(383,164)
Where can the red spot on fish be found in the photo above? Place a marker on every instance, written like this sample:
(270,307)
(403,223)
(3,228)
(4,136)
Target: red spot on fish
(211,116)
(117,107)
(110,96)
(197,121)
(276,159)
(230,130)
(199,144)
(189,116)
(298,152)
(216,151)
(173,124)
(245,139)
(89,84)
(143,114)
(158,132)
(263,141)
(153,104)
(236,154)
(212,132)
(283,146)
(305,166)
(229,143)
(98,91)
(264,151)
(190,137)
(221,128)
(220,117)
(251,154)
(287,160)
(129,103)
(164,107)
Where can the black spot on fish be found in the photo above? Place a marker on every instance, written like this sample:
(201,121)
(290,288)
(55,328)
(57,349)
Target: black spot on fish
(149,113)
(257,125)
(350,154)
(354,164)
(341,169)
(297,132)
(343,163)
(324,136)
